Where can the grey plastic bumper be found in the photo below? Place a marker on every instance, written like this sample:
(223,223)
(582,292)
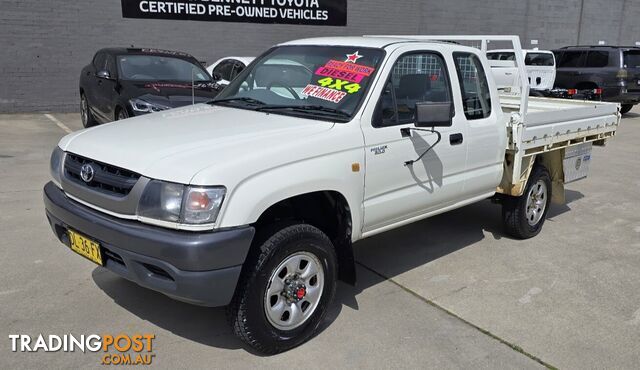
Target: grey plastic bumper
(200,268)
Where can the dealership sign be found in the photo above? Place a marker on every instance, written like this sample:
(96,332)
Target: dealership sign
(307,12)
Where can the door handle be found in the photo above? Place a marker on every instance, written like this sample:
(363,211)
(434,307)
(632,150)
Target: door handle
(456,139)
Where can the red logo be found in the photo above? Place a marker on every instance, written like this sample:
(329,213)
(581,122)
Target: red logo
(352,58)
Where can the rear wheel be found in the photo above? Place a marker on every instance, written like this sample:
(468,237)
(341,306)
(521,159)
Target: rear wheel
(287,284)
(625,108)
(85,112)
(524,216)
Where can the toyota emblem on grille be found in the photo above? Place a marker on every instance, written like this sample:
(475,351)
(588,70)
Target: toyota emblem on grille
(86,173)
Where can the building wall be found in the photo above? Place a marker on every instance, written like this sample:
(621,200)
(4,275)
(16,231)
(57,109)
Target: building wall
(44,44)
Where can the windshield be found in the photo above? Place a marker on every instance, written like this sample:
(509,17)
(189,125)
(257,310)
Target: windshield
(322,82)
(159,68)
(632,59)
(539,59)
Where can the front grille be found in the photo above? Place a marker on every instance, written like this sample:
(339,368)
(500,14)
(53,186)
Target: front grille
(106,178)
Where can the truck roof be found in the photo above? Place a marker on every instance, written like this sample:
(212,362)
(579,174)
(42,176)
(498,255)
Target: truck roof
(359,41)
(524,50)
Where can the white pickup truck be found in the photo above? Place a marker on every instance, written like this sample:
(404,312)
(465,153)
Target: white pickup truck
(539,64)
(254,200)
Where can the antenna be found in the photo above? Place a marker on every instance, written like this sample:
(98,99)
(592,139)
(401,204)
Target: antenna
(193,87)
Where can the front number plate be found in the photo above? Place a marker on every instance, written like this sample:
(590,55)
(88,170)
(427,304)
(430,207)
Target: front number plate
(85,247)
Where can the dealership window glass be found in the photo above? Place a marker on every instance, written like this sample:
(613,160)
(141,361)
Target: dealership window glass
(160,68)
(476,96)
(571,59)
(539,59)
(632,59)
(597,59)
(415,78)
(320,82)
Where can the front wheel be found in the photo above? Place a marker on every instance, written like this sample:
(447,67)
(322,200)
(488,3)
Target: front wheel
(85,112)
(286,286)
(626,108)
(524,216)
(121,114)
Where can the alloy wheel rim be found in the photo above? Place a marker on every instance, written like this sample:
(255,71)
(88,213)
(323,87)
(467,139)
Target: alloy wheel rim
(536,202)
(294,291)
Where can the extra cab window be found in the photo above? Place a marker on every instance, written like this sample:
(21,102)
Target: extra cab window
(476,96)
(415,78)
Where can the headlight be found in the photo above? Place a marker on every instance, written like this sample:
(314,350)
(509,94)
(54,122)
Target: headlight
(176,203)
(140,105)
(55,165)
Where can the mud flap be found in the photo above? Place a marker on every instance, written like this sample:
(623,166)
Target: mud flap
(553,161)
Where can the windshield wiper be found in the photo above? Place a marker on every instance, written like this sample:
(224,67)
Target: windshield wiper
(306,109)
(242,99)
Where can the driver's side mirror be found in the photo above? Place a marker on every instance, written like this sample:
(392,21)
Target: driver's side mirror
(216,76)
(104,74)
(434,114)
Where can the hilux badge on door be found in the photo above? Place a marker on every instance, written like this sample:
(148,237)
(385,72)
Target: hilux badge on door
(86,173)
(379,149)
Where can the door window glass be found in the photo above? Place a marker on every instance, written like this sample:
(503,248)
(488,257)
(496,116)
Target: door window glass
(99,61)
(572,59)
(597,59)
(415,78)
(111,66)
(476,96)
(224,69)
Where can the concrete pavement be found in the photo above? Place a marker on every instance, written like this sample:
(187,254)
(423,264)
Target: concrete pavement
(448,292)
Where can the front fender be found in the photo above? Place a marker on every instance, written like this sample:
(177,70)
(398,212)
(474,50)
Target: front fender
(250,198)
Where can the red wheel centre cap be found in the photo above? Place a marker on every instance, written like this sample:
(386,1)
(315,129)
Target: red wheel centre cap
(301,292)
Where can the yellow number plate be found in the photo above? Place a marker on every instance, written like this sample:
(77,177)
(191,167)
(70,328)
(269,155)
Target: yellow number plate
(85,247)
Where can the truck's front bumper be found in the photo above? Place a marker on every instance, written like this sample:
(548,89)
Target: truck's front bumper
(200,268)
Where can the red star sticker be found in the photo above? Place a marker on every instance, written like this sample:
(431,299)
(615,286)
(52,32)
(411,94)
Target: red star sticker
(352,58)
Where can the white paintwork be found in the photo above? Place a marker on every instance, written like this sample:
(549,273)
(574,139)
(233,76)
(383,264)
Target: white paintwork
(265,158)
(506,76)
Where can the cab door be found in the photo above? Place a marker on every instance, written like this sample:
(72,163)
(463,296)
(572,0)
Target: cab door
(396,191)
(486,138)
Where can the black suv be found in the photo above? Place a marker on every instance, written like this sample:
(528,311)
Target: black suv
(614,69)
(125,82)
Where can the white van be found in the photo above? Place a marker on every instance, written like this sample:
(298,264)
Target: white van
(540,65)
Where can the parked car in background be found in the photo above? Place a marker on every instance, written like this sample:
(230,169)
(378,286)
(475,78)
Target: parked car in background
(226,69)
(611,71)
(126,82)
(540,66)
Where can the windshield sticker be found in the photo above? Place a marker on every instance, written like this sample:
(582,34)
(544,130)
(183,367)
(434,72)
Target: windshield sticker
(352,58)
(159,85)
(336,73)
(324,93)
(350,67)
(338,84)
